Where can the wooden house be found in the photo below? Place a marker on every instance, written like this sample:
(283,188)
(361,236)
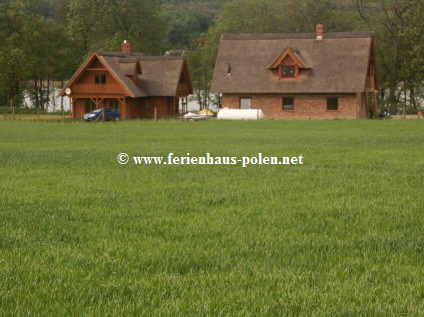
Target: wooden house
(138,85)
(298,76)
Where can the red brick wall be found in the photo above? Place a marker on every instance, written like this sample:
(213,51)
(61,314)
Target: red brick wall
(313,106)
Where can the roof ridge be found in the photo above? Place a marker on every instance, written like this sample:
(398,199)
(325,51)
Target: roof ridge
(151,58)
(137,57)
(277,36)
(128,60)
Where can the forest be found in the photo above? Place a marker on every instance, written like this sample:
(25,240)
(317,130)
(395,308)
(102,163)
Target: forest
(42,42)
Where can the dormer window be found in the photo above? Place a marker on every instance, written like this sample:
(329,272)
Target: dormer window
(288,64)
(289,71)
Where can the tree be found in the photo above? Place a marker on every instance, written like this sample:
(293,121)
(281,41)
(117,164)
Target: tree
(55,60)
(413,67)
(104,24)
(186,23)
(19,33)
(388,18)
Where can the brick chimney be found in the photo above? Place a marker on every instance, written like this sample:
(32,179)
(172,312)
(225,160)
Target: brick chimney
(319,30)
(126,47)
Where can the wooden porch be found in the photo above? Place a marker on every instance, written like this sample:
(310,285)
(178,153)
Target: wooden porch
(147,107)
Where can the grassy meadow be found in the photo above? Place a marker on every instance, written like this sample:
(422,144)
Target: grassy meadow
(340,235)
(45,117)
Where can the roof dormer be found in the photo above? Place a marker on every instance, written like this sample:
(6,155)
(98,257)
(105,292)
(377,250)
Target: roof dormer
(288,64)
(131,68)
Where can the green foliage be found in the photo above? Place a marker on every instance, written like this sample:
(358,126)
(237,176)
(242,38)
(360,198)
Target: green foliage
(341,235)
(45,40)
(19,33)
(35,46)
(393,23)
(193,2)
(413,65)
(414,33)
(104,24)
(185,25)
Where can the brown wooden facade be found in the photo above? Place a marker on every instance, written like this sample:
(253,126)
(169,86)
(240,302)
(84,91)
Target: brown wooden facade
(130,83)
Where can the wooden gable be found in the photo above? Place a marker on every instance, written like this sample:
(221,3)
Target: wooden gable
(372,79)
(185,85)
(95,78)
(287,57)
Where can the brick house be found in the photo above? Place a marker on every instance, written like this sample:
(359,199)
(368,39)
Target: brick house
(300,75)
(138,85)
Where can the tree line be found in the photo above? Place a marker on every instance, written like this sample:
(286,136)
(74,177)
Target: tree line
(42,42)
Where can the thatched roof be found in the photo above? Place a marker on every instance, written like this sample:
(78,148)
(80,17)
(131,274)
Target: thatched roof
(113,63)
(128,68)
(160,74)
(337,64)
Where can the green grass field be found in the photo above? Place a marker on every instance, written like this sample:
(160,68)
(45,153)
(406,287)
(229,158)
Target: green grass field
(40,118)
(340,235)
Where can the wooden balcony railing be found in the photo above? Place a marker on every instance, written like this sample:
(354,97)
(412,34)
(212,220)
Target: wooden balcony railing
(96,89)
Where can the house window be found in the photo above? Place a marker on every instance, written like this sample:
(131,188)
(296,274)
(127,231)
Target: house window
(289,71)
(288,103)
(100,78)
(332,103)
(244,103)
(113,103)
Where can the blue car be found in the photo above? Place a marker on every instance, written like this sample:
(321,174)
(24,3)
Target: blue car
(111,114)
